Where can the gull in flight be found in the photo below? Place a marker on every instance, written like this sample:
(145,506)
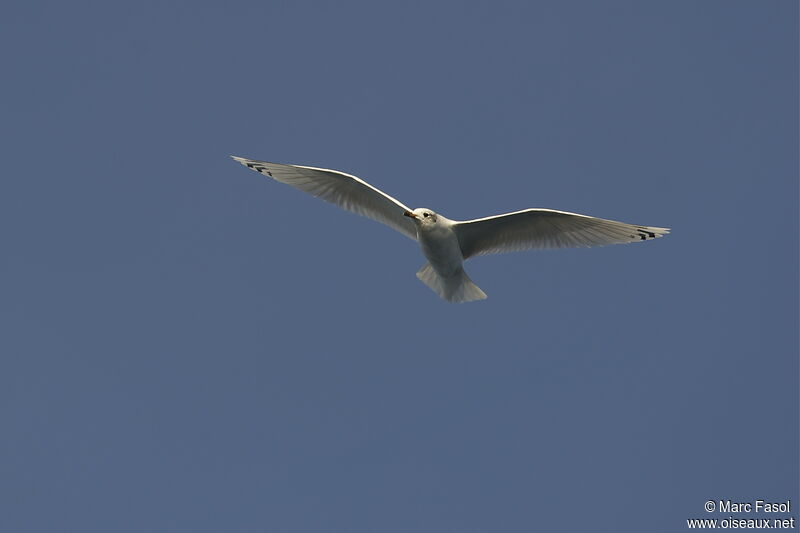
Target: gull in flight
(448,243)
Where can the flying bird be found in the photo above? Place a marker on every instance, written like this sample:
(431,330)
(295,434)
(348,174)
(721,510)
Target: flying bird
(447,243)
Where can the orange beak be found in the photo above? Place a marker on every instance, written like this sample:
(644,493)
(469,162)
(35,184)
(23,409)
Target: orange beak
(410,214)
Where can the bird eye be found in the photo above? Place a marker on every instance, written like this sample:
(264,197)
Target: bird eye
(427,214)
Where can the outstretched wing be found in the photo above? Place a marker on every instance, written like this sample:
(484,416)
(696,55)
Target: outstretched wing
(545,228)
(344,190)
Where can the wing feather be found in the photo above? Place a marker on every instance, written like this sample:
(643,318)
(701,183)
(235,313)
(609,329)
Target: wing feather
(344,190)
(532,229)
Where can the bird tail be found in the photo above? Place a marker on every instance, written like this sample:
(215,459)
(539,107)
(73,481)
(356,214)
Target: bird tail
(457,288)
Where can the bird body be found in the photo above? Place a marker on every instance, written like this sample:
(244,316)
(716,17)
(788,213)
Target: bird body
(448,243)
(444,271)
(439,242)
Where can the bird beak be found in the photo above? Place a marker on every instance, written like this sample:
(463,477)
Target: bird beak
(410,214)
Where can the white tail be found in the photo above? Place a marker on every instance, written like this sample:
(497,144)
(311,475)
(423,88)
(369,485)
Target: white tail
(457,288)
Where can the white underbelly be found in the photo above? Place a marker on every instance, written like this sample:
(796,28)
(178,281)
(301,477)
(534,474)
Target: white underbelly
(441,248)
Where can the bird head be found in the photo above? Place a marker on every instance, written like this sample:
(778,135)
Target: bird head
(422,216)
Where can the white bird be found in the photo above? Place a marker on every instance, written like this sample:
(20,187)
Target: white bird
(447,243)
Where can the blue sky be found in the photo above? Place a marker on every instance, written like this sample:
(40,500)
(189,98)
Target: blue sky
(188,346)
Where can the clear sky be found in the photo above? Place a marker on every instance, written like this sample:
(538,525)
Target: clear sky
(189,346)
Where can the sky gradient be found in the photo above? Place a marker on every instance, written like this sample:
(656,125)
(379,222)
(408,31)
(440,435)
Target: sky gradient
(188,346)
